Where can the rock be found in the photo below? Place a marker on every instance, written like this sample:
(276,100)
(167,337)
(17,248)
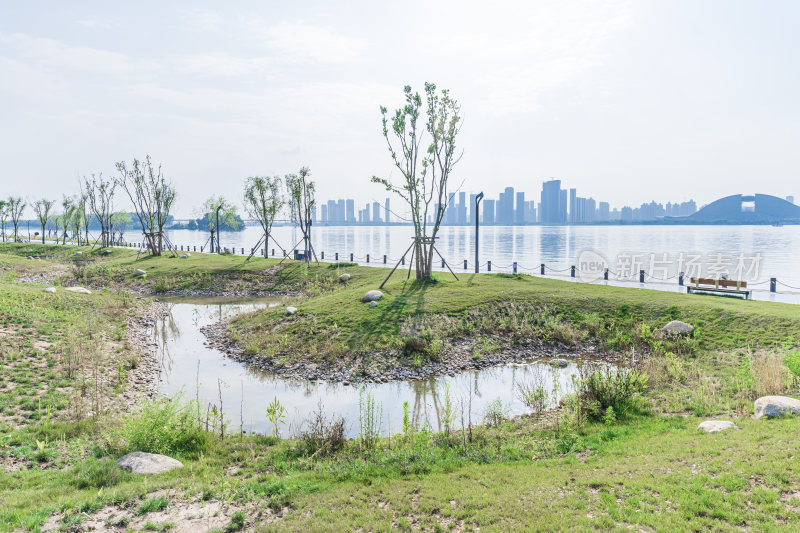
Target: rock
(372,295)
(562,363)
(290,311)
(78,253)
(147,463)
(344,278)
(79,290)
(373,304)
(776,406)
(678,328)
(50,290)
(106,252)
(186,256)
(715,426)
(139,273)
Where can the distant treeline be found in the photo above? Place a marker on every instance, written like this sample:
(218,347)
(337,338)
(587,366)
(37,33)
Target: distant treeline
(235,223)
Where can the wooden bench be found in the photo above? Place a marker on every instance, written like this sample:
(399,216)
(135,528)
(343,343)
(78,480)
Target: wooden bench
(718,286)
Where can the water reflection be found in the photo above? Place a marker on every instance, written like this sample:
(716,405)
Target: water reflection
(189,365)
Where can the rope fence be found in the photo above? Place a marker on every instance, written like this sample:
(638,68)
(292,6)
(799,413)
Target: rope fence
(383,259)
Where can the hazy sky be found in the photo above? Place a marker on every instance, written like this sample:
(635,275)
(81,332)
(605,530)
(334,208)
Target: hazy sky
(627,101)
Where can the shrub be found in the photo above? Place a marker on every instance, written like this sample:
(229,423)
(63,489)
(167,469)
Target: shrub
(495,413)
(96,474)
(166,426)
(768,374)
(323,435)
(601,387)
(792,360)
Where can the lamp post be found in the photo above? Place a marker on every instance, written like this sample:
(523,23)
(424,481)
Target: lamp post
(477,224)
(217,228)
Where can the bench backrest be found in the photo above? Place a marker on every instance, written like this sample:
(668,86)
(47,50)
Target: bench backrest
(719,282)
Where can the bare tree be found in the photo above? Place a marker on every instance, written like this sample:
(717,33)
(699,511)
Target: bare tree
(42,209)
(85,215)
(263,201)
(301,195)
(99,194)
(16,206)
(152,197)
(425,189)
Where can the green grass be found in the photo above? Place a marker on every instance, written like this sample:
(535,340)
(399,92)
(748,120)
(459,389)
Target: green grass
(648,470)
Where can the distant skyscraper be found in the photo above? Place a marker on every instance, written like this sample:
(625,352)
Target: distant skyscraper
(488,212)
(324,213)
(472,208)
(386,217)
(573,206)
(351,210)
(520,211)
(461,213)
(551,202)
(603,212)
(376,212)
(450,210)
(366,214)
(340,210)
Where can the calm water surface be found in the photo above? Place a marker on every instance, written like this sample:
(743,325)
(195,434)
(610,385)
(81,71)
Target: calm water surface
(751,253)
(190,366)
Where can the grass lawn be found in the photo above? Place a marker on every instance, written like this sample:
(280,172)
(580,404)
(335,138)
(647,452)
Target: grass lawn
(647,468)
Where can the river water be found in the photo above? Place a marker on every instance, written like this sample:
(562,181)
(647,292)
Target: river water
(749,253)
(188,365)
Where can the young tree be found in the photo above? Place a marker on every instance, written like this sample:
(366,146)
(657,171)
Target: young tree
(99,194)
(42,209)
(119,223)
(68,205)
(219,213)
(152,197)
(3,218)
(54,223)
(16,206)
(86,216)
(301,196)
(263,201)
(425,189)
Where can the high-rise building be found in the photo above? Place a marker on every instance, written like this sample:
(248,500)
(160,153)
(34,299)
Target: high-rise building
(386,217)
(553,202)
(573,206)
(461,213)
(450,210)
(520,211)
(340,211)
(350,206)
(366,214)
(488,211)
(376,212)
(472,198)
(603,213)
(324,213)
(331,211)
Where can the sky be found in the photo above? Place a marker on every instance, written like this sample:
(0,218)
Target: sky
(626,101)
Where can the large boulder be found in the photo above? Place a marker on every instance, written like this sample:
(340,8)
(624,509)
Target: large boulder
(715,426)
(290,311)
(372,295)
(50,290)
(344,278)
(676,328)
(147,463)
(79,290)
(776,406)
(139,273)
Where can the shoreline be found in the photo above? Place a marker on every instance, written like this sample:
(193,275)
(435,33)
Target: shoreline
(385,367)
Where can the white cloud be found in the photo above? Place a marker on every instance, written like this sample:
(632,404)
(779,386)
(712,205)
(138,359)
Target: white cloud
(203,19)
(298,42)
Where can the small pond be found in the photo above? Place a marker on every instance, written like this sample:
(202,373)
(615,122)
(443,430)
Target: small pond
(189,365)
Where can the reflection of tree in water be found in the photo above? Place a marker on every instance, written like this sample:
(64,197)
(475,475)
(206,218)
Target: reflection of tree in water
(165,330)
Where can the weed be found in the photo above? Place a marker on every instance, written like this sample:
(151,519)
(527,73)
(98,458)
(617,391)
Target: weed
(97,474)
(158,503)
